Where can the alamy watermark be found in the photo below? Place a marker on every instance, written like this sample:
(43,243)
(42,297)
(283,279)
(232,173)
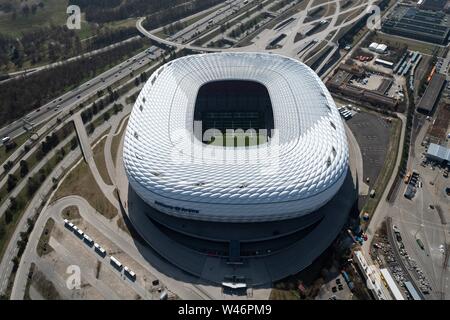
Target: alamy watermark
(73,281)
(74,19)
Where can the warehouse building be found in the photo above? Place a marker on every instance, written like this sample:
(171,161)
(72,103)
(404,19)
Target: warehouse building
(438,153)
(418,24)
(431,95)
(435,5)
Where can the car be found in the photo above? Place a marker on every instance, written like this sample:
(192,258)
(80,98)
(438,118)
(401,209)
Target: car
(334,289)
(78,97)
(338,281)
(340,287)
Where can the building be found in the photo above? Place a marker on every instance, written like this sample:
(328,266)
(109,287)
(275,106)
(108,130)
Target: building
(431,95)
(211,198)
(384,63)
(340,84)
(418,24)
(435,5)
(391,285)
(373,46)
(373,277)
(412,291)
(438,153)
(381,48)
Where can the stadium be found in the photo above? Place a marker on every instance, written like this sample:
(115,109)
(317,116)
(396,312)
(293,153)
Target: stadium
(237,162)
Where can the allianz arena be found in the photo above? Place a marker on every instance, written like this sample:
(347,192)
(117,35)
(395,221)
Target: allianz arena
(246,194)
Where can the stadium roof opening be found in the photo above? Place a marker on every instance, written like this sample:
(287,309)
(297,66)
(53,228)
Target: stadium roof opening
(228,108)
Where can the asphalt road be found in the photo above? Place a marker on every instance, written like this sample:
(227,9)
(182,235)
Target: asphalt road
(75,96)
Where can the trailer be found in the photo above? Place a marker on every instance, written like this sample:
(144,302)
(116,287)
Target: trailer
(348,280)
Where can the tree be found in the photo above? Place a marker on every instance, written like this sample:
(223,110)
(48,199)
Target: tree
(2,230)
(90,128)
(73,143)
(32,186)
(13,203)
(23,168)
(8,165)
(25,10)
(11,182)
(8,216)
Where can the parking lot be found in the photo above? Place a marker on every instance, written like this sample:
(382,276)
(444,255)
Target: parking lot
(372,134)
(335,289)
(101,278)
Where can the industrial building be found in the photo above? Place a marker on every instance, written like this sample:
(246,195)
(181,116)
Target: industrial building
(438,153)
(431,95)
(378,47)
(391,284)
(418,24)
(384,63)
(339,84)
(253,213)
(435,5)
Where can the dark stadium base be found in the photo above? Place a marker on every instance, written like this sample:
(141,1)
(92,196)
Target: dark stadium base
(256,270)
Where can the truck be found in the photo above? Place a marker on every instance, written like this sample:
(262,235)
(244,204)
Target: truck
(348,280)
(420,244)
(407,177)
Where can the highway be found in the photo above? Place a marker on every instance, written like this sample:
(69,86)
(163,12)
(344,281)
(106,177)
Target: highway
(68,100)
(13,75)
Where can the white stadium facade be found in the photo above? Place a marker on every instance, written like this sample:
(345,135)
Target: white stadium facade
(236,163)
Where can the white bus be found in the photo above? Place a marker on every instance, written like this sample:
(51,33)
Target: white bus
(99,249)
(130,273)
(116,263)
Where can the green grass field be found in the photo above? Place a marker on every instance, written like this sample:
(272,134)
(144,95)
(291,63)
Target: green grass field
(54,12)
(239,140)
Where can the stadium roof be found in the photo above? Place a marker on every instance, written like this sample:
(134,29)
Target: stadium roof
(300,169)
